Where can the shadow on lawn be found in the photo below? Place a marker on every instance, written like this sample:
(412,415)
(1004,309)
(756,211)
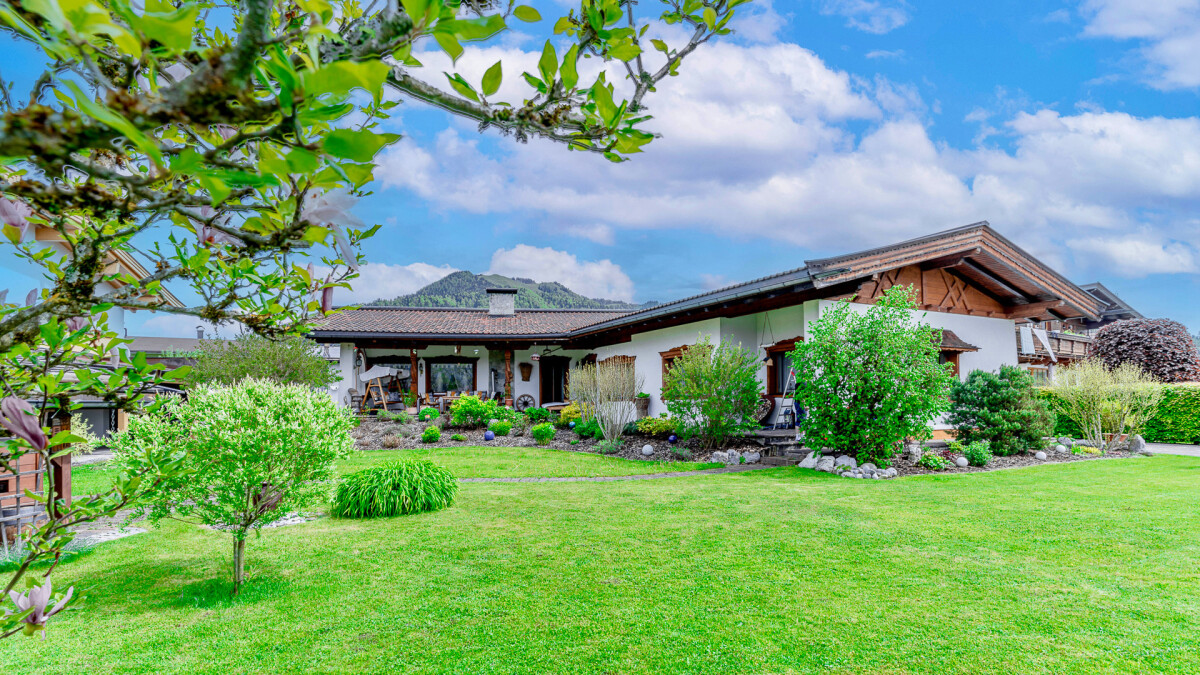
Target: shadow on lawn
(217,593)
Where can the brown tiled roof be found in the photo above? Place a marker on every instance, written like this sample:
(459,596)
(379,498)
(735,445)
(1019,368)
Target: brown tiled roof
(423,321)
(953,343)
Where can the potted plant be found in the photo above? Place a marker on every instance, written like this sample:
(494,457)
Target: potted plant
(642,403)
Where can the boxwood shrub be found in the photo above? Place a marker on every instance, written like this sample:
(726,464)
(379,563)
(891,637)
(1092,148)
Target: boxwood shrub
(395,488)
(431,434)
(542,433)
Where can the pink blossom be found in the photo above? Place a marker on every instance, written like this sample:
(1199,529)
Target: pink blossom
(37,598)
(16,214)
(332,209)
(21,420)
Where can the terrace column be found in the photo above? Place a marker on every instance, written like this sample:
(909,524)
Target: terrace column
(412,373)
(508,376)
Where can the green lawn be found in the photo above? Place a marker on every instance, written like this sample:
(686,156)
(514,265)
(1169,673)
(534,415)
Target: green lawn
(1073,568)
(465,462)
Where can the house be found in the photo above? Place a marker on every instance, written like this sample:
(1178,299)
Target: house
(980,288)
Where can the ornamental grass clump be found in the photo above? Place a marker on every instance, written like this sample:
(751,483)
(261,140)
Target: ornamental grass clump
(396,488)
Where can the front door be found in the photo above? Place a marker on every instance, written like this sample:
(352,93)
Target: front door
(554,378)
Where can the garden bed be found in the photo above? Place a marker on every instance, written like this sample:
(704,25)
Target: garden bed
(905,467)
(380,435)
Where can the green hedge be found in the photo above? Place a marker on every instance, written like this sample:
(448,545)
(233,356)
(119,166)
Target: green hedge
(1177,420)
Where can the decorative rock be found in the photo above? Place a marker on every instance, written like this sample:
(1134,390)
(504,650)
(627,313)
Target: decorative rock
(1039,455)
(1066,440)
(489,435)
(962,462)
(752,457)
(1060,448)
(647,450)
(845,460)
(825,464)
(720,456)
(913,452)
(571,425)
(809,462)
(1137,445)
(869,466)
(890,472)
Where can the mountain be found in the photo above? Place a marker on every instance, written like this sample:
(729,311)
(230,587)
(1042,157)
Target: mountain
(464,289)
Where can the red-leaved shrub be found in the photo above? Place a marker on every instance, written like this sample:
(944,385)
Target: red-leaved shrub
(1161,347)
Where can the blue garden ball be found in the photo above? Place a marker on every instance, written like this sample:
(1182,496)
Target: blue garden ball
(489,435)
(673,439)
(571,424)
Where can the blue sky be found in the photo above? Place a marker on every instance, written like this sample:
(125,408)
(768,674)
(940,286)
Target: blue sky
(827,126)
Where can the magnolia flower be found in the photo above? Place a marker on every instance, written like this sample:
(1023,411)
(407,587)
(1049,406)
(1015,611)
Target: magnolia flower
(326,299)
(225,131)
(36,599)
(211,235)
(75,323)
(332,209)
(31,298)
(16,214)
(21,420)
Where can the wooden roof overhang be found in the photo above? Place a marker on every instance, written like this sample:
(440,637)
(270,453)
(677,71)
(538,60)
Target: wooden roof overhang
(976,253)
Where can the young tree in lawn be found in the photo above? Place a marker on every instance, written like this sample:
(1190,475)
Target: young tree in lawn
(870,377)
(712,392)
(227,144)
(292,359)
(253,452)
(1106,403)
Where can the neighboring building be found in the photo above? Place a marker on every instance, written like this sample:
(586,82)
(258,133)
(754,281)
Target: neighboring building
(973,283)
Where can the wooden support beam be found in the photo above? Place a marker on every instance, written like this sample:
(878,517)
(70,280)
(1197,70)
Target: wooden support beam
(412,374)
(1032,309)
(508,376)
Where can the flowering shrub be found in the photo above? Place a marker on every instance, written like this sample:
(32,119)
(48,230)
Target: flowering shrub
(254,452)
(712,392)
(473,412)
(870,378)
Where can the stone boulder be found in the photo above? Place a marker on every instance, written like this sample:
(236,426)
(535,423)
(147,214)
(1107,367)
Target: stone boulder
(1060,448)
(869,467)
(825,464)
(962,462)
(752,457)
(846,460)
(1066,440)
(1137,445)
(648,450)
(809,462)
(1039,455)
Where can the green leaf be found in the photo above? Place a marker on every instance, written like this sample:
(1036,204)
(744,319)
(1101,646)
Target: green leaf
(449,44)
(359,146)
(459,84)
(416,9)
(562,25)
(659,45)
(570,76)
(624,52)
(102,114)
(480,28)
(710,17)
(173,30)
(492,78)
(527,13)
(548,64)
(605,106)
(340,77)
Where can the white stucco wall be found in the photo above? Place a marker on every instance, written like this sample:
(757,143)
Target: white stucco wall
(646,348)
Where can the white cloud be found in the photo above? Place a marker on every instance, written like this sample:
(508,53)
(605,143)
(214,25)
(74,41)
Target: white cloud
(885,54)
(1169,31)
(380,281)
(872,16)
(758,144)
(1138,256)
(602,279)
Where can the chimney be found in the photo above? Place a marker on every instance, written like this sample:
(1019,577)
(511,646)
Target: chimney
(199,332)
(502,301)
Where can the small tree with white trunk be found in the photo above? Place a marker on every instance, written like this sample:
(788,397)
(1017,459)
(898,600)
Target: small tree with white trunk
(606,393)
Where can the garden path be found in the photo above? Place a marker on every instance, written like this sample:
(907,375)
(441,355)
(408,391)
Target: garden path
(738,468)
(1174,449)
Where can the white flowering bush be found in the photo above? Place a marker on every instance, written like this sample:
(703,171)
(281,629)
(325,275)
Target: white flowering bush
(254,453)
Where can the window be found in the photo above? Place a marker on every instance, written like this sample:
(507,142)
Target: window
(668,358)
(951,358)
(779,365)
(449,373)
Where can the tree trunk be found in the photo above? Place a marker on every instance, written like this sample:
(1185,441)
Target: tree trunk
(239,561)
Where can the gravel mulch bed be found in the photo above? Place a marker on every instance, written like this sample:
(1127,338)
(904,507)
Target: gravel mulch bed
(378,435)
(904,467)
